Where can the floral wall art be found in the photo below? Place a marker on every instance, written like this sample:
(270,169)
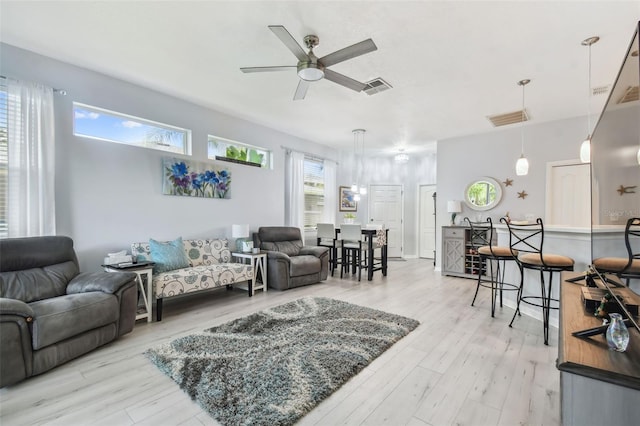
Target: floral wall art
(192,179)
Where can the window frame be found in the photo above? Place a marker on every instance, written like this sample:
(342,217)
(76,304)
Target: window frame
(184,149)
(267,162)
(320,193)
(4,161)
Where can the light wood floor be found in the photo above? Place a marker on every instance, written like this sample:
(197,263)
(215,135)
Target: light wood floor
(459,366)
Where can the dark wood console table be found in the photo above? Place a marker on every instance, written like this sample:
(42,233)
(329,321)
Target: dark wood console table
(597,386)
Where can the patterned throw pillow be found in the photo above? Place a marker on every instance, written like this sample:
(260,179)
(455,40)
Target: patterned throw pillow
(168,255)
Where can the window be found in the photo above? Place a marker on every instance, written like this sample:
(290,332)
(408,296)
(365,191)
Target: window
(97,123)
(4,160)
(313,192)
(236,152)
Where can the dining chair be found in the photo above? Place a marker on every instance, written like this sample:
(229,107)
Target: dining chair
(326,235)
(352,248)
(492,257)
(378,243)
(625,268)
(526,244)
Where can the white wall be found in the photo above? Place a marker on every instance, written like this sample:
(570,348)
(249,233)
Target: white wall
(109,195)
(462,160)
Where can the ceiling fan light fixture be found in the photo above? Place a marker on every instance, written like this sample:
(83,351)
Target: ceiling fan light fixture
(310,71)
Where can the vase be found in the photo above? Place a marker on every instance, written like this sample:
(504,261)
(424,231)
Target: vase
(617,334)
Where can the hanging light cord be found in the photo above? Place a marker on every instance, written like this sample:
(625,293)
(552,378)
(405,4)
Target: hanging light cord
(522,125)
(589,98)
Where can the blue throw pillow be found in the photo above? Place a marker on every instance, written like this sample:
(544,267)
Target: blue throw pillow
(168,255)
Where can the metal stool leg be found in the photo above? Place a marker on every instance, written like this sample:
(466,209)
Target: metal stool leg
(517,312)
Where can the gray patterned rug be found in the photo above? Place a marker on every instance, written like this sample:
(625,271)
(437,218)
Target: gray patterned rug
(273,367)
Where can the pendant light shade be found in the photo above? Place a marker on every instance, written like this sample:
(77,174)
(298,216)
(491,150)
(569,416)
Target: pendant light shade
(585,151)
(522,165)
(585,148)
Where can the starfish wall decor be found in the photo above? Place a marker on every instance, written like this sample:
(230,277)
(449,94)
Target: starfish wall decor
(508,182)
(523,194)
(626,190)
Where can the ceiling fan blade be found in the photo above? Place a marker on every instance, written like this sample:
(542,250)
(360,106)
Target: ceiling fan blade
(343,80)
(289,41)
(267,69)
(301,90)
(352,51)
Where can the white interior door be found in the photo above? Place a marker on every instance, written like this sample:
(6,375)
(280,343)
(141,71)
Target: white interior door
(568,198)
(427,222)
(385,208)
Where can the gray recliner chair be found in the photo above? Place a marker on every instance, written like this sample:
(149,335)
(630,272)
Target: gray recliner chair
(51,313)
(289,263)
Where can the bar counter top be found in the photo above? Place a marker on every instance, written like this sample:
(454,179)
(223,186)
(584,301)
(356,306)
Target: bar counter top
(590,356)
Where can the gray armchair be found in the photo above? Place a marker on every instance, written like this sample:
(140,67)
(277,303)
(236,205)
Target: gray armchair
(51,313)
(289,263)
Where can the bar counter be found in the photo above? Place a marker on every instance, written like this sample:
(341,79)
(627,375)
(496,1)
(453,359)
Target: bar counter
(597,385)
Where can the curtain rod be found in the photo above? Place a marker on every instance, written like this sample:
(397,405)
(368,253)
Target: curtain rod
(59,91)
(308,154)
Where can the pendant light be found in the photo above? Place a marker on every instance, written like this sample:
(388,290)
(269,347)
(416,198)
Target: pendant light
(401,157)
(363,188)
(522,165)
(358,141)
(585,148)
(354,170)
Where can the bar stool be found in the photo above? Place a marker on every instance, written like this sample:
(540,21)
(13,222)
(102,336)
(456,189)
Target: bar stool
(482,243)
(626,268)
(351,238)
(525,242)
(327,238)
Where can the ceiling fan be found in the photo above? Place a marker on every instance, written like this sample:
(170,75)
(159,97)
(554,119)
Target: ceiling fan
(311,68)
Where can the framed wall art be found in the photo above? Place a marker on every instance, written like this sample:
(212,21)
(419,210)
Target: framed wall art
(194,179)
(346,200)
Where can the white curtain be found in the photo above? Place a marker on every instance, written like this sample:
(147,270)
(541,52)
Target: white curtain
(294,191)
(31,162)
(330,192)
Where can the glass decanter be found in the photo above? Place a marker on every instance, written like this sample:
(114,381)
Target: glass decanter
(617,333)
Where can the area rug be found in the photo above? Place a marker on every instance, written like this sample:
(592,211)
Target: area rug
(273,367)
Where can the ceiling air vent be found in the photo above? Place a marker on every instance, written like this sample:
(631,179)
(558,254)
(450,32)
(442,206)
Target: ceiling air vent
(376,85)
(509,118)
(630,95)
(600,90)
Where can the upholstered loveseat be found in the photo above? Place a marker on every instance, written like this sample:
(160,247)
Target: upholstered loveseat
(209,265)
(289,263)
(51,313)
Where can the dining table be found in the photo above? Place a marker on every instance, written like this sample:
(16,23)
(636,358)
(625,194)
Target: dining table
(370,233)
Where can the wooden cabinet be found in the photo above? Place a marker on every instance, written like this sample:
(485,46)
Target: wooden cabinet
(459,257)
(453,250)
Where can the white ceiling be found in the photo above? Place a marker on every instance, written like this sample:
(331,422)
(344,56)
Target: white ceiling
(451,64)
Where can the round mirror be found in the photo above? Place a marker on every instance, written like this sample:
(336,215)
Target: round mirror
(483,194)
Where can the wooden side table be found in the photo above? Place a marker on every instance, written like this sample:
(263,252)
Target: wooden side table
(259,262)
(144,272)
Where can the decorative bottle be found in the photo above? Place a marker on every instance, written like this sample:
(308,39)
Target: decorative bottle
(617,334)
